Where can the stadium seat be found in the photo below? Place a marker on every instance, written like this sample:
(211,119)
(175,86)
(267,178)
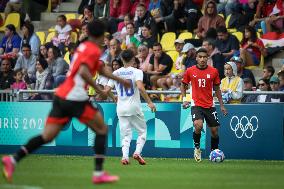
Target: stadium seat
(12,18)
(52,29)
(74,37)
(49,37)
(174,56)
(168,41)
(239,35)
(70,16)
(221,15)
(41,36)
(228,20)
(185,35)
(66,57)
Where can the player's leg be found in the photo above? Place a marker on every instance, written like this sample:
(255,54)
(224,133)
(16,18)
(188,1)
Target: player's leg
(94,120)
(197,118)
(139,124)
(55,121)
(213,123)
(126,137)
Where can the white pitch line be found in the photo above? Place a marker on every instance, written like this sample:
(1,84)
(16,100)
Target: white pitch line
(12,186)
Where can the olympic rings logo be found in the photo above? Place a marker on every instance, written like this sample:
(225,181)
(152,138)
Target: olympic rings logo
(244,127)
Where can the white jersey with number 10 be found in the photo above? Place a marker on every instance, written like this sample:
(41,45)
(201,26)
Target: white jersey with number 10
(128,102)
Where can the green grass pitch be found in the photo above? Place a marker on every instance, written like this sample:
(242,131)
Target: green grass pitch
(74,172)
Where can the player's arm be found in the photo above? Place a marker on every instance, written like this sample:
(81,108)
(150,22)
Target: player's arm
(143,93)
(85,73)
(184,88)
(219,97)
(107,73)
(107,90)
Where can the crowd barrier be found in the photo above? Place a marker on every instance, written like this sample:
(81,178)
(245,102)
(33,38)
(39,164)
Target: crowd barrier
(249,131)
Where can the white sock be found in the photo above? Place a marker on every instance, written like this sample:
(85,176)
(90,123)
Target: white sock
(125,152)
(97,173)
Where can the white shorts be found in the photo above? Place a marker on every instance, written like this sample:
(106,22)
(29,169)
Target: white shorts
(135,121)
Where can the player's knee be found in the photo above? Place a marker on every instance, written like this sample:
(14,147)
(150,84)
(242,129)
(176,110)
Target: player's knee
(102,130)
(47,138)
(198,125)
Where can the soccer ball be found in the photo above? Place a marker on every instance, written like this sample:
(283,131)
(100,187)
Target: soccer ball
(216,156)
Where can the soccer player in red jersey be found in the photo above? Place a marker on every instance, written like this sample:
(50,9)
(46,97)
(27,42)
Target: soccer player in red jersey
(203,79)
(71,100)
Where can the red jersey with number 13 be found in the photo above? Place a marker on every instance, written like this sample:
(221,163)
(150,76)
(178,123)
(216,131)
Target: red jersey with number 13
(74,86)
(202,82)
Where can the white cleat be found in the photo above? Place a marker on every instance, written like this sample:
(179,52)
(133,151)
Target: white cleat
(197,154)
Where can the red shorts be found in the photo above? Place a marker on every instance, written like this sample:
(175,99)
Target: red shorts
(64,110)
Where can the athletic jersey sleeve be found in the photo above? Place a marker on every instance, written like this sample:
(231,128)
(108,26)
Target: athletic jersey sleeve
(139,75)
(186,78)
(216,80)
(111,82)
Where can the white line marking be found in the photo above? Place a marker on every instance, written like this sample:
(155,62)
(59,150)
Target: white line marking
(9,186)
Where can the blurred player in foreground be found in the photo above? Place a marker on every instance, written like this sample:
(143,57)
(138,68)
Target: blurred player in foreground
(203,79)
(71,100)
(129,109)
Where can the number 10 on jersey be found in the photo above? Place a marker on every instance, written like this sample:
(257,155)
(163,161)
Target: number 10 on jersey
(126,91)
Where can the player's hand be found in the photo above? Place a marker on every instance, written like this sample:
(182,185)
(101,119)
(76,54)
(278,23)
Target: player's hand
(103,95)
(224,110)
(185,104)
(152,107)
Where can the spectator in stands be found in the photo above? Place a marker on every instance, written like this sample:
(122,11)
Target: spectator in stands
(101,9)
(19,82)
(190,58)
(105,54)
(3,4)
(227,43)
(159,67)
(118,9)
(263,85)
(43,52)
(248,86)
(11,42)
(133,48)
(30,37)
(225,6)
(137,2)
(56,65)
(274,85)
(13,6)
(210,19)
(85,3)
(240,17)
(55,5)
(114,51)
(131,37)
(122,25)
(252,47)
(173,82)
(62,36)
(116,64)
(44,80)
(242,71)
(144,57)
(27,62)
(144,18)
(215,59)
(281,80)
(232,85)
(83,35)
(6,75)
(268,72)
(88,15)
(147,38)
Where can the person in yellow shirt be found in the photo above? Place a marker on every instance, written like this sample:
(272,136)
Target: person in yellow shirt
(232,85)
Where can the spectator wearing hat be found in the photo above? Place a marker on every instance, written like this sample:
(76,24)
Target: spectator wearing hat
(232,85)
(274,85)
(190,58)
(227,43)
(242,71)
(11,42)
